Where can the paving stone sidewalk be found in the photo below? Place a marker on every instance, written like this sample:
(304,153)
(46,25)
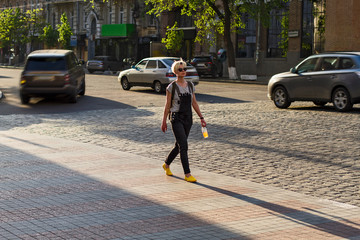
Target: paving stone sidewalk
(52,188)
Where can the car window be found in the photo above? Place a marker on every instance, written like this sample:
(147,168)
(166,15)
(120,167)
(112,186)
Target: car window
(151,64)
(346,63)
(169,61)
(46,63)
(72,61)
(142,64)
(307,66)
(98,58)
(328,63)
(161,65)
(202,59)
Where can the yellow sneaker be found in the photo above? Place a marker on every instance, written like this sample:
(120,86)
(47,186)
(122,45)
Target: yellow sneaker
(167,170)
(190,179)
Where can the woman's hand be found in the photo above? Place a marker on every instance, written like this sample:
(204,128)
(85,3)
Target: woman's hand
(203,123)
(164,126)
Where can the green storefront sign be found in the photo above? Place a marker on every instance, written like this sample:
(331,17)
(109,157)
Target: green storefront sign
(117,30)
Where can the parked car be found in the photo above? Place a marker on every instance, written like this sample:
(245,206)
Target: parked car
(208,65)
(104,63)
(154,72)
(52,72)
(322,78)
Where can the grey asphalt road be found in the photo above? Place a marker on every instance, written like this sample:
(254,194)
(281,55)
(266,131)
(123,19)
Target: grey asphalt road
(104,92)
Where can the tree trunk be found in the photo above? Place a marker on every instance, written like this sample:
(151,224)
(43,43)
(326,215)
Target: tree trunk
(228,43)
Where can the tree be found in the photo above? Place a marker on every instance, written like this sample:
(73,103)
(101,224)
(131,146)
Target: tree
(221,17)
(17,27)
(65,32)
(50,36)
(174,39)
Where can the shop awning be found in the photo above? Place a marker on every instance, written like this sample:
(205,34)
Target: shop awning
(117,30)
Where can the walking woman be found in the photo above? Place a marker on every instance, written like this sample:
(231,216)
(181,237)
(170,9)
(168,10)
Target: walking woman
(180,97)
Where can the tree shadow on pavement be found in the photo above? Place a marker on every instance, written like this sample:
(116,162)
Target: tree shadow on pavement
(200,97)
(206,98)
(307,219)
(54,105)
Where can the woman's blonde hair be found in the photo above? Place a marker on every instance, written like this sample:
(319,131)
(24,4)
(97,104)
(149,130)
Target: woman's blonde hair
(177,64)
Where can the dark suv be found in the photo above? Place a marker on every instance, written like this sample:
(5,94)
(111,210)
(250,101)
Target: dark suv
(52,72)
(208,65)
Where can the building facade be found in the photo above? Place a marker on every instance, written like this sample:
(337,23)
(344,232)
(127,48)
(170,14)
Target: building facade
(116,28)
(122,29)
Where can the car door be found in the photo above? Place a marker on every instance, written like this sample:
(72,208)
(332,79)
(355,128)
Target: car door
(299,85)
(150,72)
(74,71)
(136,74)
(161,72)
(321,81)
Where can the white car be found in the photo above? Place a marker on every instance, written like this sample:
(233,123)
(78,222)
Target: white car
(154,72)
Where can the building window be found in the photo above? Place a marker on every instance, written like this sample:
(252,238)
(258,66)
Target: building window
(313,27)
(152,20)
(307,29)
(246,40)
(274,32)
(319,25)
(72,20)
(121,16)
(110,13)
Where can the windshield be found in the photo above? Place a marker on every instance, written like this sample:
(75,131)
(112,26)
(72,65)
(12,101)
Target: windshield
(46,63)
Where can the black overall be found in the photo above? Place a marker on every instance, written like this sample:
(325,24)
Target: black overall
(181,123)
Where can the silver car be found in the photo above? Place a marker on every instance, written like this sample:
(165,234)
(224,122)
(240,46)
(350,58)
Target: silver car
(321,78)
(154,72)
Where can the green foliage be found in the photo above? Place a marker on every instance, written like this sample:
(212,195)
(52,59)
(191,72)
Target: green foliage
(92,2)
(65,32)
(212,19)
(18,27)
(261,10)
(284,42)
(50,36)
(174,39)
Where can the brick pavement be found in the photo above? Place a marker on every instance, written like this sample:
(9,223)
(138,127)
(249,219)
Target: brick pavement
(52,188)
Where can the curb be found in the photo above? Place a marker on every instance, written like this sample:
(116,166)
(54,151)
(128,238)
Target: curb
(227,80)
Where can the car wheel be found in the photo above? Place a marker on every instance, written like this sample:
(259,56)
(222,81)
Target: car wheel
(220,73)
(319,103)
(341,100)
(72,98)
(125,83)
(24,99)
(214,73)
(158,88)
(281,97)
(91,71)
(82,88)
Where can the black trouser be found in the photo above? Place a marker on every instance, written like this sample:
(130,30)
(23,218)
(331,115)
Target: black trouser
(181,125)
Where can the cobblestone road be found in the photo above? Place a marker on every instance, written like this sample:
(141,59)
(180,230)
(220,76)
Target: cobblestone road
(308,150)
